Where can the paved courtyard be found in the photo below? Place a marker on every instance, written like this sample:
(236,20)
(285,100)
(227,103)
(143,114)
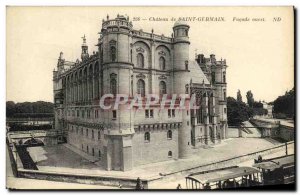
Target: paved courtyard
(172,184)
(61,159)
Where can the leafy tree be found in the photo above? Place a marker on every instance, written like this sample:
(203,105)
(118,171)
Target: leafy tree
(10,108)
(238,112)
(250,99)
(257,104)
(239,96)
(29,109)
(284,106)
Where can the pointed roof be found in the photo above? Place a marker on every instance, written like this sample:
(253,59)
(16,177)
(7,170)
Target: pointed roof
(196,73)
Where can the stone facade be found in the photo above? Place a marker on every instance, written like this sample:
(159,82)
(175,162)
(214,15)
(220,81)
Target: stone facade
(135,62)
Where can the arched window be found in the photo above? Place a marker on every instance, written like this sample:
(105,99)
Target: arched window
(147,137)
(113,86)
(99,135)
(186,89)
(141,87)
(131,86)
(213,77)
(93,151)
(170,154)
(209,110)
(169,134)
(224,77)
(186,65)
(113,53)
(162,63)
(131,55)
(162,88)
(140,60)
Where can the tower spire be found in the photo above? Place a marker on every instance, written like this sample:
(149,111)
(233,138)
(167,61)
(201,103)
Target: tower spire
(84,49)
(84,40)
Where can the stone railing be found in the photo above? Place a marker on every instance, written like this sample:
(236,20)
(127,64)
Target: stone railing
(151,36)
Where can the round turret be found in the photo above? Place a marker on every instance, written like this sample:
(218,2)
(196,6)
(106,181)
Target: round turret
(180,23)
(181,45)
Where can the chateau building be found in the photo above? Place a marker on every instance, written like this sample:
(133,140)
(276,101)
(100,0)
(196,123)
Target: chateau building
(134,62)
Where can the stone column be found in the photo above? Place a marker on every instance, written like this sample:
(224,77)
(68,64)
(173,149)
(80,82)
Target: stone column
(87,88)
(152,81)
(79,91)
(93,81)
(206,119)
(73,94)
(214,118)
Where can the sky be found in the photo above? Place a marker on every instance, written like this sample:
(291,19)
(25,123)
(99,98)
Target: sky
(259,55)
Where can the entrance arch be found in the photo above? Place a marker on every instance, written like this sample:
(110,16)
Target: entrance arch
(34,142)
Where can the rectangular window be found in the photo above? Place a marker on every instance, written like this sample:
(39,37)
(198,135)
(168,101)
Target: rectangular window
(213,77)
(225,110)
(147,113)
(151,113)
(77,113)
(87,133)
(169,113)
(114,112)
(173,112)
(96,113)
(82,113)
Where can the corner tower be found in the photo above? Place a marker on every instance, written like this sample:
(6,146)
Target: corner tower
(181,78)
(115,60)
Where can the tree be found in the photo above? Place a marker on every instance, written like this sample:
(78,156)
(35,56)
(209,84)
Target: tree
(238,112)
(284,106)
(29,109)
(10,108)
(239,96)
(250,99)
